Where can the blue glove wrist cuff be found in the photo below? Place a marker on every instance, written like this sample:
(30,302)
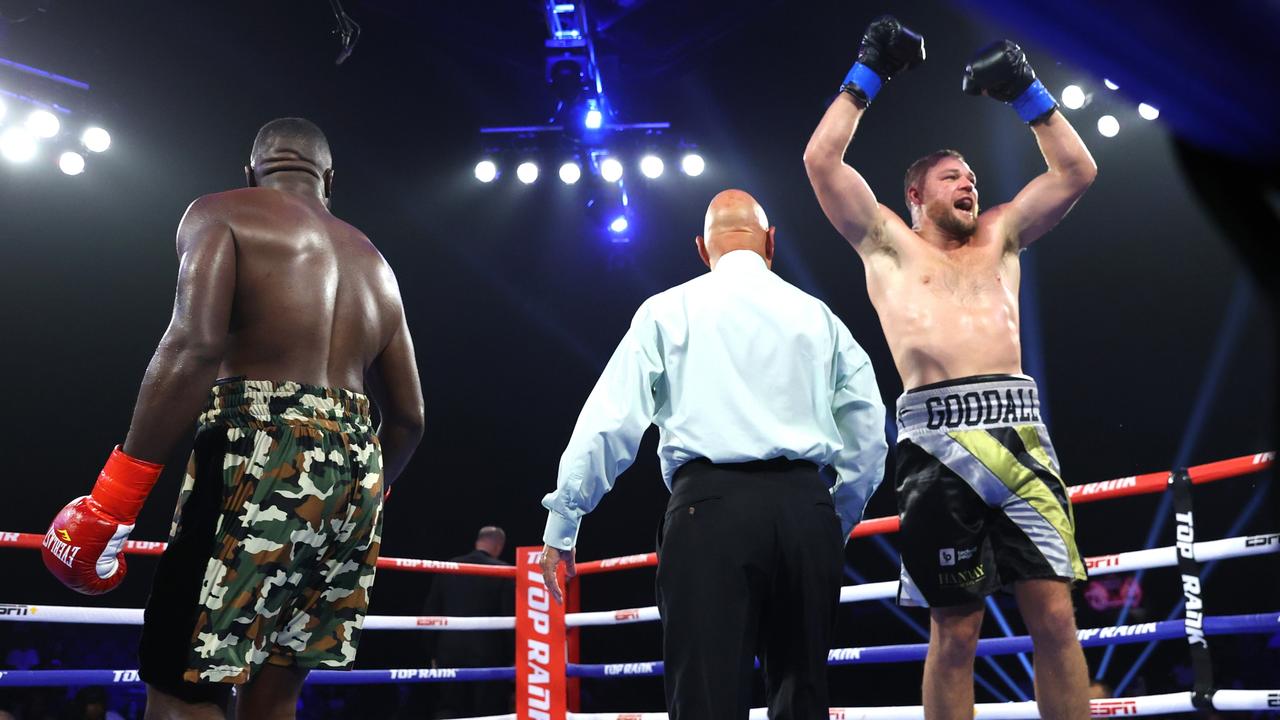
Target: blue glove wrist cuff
(1034,102)
(864,79)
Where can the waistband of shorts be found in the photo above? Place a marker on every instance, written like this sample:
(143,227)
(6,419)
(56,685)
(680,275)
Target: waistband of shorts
(241,402)
(968,403)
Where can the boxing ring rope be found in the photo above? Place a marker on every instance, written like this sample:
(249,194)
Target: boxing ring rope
(1090,637)
(1207,551)
(911,652)
(1133,706)
(1145,484)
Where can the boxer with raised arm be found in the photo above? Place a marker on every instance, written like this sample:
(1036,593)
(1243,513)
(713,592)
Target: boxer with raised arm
(980,495)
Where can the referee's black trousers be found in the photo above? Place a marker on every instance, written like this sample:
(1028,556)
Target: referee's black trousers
(749,564)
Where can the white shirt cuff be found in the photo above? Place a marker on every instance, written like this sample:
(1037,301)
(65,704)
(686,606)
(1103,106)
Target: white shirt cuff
(561,532)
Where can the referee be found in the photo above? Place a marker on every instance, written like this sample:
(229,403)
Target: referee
(754,385)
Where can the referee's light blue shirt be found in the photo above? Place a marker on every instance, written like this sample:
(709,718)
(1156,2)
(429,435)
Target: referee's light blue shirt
(735,365)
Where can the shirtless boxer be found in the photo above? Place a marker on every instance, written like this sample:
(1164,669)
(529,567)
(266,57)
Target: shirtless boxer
(980,496)
(272,550)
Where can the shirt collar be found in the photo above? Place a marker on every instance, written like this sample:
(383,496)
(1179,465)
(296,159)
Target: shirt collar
(735,260)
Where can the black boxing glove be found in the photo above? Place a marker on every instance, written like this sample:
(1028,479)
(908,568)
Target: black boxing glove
(888,47)
(1001,71)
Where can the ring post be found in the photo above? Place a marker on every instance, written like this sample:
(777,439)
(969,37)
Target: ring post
(573,604)
(1193,611)
(540,642)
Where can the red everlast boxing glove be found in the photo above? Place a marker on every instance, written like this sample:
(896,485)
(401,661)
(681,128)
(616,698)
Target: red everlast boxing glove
(84,546)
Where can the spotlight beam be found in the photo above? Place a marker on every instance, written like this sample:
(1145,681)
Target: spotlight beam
(53,107)
(55,77)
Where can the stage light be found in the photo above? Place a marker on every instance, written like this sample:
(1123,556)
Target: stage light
(692,164)
(43,124)
(486,171)
(17,144)
(96,139)
(1108,126)
(619,225)
(1110,85)
(610,169)
(527,172)
(1073,97)
(1148,112)
(593,119)
(2,109)
(71,163)
(651,166)
(570,172)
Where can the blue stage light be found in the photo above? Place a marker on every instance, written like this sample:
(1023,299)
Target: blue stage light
(593,120)
(619,224)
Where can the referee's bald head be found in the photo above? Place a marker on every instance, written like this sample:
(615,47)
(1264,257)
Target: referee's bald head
(735,221)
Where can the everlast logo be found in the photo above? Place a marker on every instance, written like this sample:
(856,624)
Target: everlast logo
(961,577)
(1108,708)
(1190,583)
(990,407)
(65,552)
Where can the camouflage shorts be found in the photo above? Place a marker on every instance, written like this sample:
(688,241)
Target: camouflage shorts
(275,538)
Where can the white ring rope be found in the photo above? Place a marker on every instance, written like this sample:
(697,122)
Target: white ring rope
(1227,548)
(1130,706)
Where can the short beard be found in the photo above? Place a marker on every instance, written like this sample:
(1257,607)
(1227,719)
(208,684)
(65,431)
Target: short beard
(952,225)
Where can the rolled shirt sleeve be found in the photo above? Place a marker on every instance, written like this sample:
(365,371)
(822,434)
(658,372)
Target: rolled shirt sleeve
(613,420)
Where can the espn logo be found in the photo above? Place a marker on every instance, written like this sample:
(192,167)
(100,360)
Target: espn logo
(433,621)
(626,615)
(1110,708)
(1102,561)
